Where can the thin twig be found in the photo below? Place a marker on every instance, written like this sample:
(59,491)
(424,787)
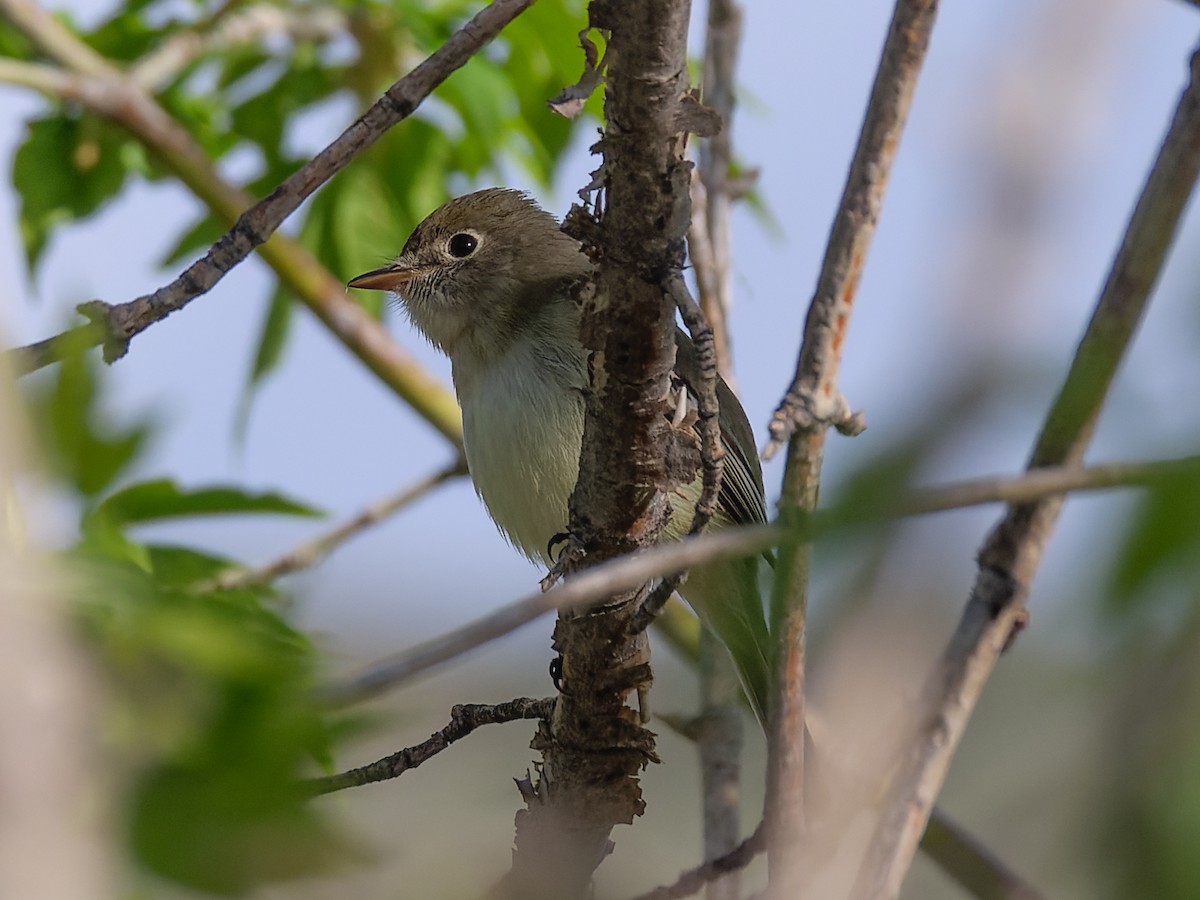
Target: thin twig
(1010,556)
(581,589)
(812,403)
(731,542)
(464,718)
(694,880)
(312,552)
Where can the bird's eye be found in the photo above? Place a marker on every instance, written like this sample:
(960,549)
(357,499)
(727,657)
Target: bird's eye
(462,245)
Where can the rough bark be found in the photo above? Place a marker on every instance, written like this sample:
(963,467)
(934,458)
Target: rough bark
(596,745)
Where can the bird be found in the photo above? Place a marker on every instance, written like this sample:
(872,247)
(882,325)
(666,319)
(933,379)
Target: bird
(489,279)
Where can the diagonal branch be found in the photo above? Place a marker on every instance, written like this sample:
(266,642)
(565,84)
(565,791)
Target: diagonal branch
(1010,555)
(464,719)
(694,880)
(312,552)
(101,87)
(626,572)
(814,402)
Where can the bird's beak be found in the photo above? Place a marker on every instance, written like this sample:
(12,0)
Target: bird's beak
(389,278)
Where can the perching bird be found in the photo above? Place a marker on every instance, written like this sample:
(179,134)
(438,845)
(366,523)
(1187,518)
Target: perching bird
(488,279)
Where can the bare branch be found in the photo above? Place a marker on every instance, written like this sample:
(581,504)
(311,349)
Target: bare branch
(580,590)
(814,402)
(625,573)
(713,193)
(464,719)
(312,552)
(694,880)
(1010,555)
(1030,487)
(719,731)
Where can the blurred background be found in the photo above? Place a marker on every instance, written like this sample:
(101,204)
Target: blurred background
(1033,128)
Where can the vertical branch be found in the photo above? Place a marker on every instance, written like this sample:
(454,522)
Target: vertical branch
(813,402)
(719,736)
(1010,555)
(714,274)
(595,745)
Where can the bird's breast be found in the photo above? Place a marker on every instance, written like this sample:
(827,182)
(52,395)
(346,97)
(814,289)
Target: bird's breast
(522,427)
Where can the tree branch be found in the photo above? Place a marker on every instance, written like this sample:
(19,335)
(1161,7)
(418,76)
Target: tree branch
(814,402)
(596,745)
(312,552)
(627,572)
(464,718)
(1011,553)
(104,89)
(719,733)
(694,880)
(584,589)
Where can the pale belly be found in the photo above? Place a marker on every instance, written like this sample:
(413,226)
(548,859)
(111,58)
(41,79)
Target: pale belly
(522,437)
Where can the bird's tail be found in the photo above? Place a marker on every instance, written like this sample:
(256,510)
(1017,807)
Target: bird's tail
(727,599)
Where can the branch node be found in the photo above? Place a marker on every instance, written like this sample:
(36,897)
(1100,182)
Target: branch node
(800,411)
(103,316)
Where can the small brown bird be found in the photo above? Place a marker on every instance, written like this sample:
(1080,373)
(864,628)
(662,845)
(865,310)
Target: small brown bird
(488,279)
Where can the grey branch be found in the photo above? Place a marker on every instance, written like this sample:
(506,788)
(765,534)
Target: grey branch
(464,719)
(694,880)
(627,572)
(814,402)
(116,325)
(312,552)
(1010,555)
(719,728)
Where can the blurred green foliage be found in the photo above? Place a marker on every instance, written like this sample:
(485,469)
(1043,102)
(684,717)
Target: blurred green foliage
(210,692)
(211,701)
(1151,827)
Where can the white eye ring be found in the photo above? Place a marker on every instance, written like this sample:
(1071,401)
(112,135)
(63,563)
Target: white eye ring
(463,244)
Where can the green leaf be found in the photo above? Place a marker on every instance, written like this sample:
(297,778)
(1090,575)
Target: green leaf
(271,341)
(126,36)
(1162,542)
(14,44)
(213,696)
(276,326)
(150,501)
(86,447)
(66,167)
(183,566)
(227,829)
